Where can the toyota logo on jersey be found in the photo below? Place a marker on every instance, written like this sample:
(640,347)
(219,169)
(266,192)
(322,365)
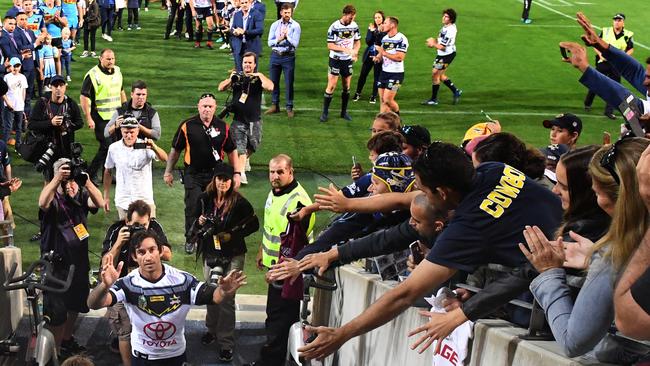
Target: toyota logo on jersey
(160,331)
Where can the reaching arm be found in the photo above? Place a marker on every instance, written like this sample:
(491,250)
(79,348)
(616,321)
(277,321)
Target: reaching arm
(95,194)
(47,194)
(99,297)
(267,84)
(333,200)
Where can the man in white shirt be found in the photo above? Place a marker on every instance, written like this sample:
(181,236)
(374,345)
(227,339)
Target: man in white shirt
(392,53)
(446,47)
(132,160)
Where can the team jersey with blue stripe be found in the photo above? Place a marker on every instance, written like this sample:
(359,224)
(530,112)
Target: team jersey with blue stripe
(344,36)
(392,45)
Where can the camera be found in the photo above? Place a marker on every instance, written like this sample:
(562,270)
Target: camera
(46,159)
(217,268)
(78,165)
(208,228)
(238,78)
(136,228)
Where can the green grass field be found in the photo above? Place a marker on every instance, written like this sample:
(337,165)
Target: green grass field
(511,71)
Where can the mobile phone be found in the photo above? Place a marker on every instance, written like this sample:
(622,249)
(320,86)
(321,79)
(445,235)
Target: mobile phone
(354,162)
(140,145)
(416,252)
(565,53)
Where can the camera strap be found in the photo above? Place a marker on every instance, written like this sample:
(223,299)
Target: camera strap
(79,229)
(213,134)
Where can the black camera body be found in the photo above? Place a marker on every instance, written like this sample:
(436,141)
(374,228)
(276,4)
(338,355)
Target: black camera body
(208,228)
(136,228)
(78,165)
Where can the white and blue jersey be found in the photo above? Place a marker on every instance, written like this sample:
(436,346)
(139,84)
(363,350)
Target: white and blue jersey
(343,36)
(447,38)
(35,22)
(393,45)
(158,310)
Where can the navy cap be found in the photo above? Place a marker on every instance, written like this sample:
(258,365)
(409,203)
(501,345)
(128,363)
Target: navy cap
(619,16)
(568,121)
(554,152)
(56,79)
(416,135)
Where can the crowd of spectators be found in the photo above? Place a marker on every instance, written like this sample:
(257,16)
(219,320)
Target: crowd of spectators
(543,215)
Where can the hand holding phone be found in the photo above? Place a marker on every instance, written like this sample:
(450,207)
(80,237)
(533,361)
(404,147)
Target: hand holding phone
(416,252)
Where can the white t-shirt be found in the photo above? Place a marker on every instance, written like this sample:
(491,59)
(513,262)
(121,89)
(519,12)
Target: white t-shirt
(17,84)
(392,45)
(447,38)
(157,310)
(133,173)
(344,36)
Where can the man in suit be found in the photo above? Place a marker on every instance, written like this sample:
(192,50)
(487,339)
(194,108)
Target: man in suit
(246,28)
(8,42)
(27,42)
(258,6)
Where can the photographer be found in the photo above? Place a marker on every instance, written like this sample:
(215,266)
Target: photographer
(57,117)
(247,88)
(138,218)
(225,218)
(64,206)
(132,160)
(139,108)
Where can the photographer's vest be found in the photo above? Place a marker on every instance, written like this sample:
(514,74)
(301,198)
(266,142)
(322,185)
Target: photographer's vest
(609,36)
(275,221)
(108,91)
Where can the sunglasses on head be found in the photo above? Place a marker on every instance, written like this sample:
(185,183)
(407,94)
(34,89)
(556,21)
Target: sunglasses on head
(608,161)
(207,95)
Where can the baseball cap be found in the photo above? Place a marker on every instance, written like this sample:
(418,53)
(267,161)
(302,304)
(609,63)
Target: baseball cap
(481,129)
(14,61)
(416,135)
(130,122)
(568,121)
(223,170)
(619,16)
(394,169)
(554,152)
(56,79)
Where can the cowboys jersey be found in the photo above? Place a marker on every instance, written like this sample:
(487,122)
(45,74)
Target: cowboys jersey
(392,45)
(158,310)
(447,38)
(344,36)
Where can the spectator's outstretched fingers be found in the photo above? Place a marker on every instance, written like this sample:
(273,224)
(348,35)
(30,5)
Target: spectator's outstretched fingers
(316,260)
(288,268)
(328,340)
(439,326)
(590,37)
(331,199)
(578,57)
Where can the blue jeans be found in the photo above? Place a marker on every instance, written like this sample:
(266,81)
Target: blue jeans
(9,117)
(66,58)
(287,65)
(107,19)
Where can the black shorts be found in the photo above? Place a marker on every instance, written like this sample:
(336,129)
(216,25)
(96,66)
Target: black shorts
(57,42)
(203,13)
(390,80)
(56,306)
(443,62)
(340,67)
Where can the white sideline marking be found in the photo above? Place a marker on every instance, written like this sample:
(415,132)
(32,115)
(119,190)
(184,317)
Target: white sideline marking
(548,3)
(581,3)
(544,25)
(417,112)
(549,8)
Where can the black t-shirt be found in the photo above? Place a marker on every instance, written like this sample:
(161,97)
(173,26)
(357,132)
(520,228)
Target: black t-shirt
(125,254)
(57,229)
(251,110)
(488,224)
(199,142)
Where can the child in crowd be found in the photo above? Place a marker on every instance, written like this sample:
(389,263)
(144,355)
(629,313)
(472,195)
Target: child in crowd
(49,62)
(14,102)
(134,14)
(66,51)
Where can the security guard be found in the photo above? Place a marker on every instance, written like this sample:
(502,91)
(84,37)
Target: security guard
(620,38)
(285,195)
(101,95)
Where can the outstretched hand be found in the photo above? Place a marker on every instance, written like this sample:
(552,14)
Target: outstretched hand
(232,282)
(327,342)
(542,253)
(110,274)
(317,260)
(331,199)
(288,268)
(578,57)
(577,253)
(439,326)
(590,37)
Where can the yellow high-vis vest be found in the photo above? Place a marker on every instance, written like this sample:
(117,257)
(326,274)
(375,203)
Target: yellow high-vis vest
(108,91)
(609,36)
(275,221)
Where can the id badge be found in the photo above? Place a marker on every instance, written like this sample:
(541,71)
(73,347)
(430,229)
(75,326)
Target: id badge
(81,231)
(215,153)
(243,97)
(213,133)
(217,242)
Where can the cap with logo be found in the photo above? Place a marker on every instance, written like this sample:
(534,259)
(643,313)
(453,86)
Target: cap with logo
(14,61)
(619,16)
(567,121)
(554,152)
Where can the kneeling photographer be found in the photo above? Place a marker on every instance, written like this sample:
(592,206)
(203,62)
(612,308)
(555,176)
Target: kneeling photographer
(117,243)
(225,218)
(246,103)
(50,134)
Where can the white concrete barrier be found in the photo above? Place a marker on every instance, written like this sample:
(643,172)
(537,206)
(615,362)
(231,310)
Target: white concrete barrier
(11,303)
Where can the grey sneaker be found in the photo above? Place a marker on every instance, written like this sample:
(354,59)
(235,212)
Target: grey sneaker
(430,102)
(457,96)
